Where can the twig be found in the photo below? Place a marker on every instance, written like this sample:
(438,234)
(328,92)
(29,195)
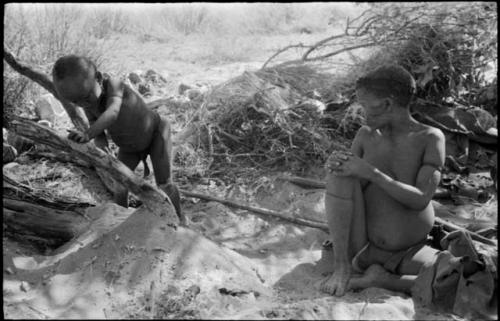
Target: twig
(300,45)
(262,211)
(450,227)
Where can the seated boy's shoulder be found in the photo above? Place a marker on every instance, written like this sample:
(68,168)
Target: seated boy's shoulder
(431,132)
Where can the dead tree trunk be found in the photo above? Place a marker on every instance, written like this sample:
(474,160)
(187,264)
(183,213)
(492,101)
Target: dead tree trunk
(154,199)
(44,226)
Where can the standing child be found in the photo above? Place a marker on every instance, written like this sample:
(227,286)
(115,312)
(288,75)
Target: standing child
(113,106)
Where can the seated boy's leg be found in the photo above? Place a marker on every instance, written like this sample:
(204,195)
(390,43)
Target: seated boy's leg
(130,160)
(161,157)
(377,276)
(406,269)
(345,215)
(411,264)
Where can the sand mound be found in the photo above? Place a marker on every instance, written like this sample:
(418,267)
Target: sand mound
(110,272)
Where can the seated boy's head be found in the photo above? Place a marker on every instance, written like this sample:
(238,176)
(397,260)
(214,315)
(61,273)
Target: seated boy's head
(76,79)
(385,90)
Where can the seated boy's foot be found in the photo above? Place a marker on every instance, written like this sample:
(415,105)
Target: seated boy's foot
(373,276)
(336,284)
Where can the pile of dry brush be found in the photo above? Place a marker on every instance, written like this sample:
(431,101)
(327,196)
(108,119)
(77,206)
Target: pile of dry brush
(272,118)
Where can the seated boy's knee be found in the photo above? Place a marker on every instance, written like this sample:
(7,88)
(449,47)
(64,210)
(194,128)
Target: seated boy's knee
(340,186)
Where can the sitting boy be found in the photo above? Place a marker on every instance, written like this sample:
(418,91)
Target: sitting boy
(112,105)
(378,198)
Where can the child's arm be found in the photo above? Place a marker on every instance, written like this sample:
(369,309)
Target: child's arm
(109,116)
(414,197)
(106,119)
(100,140)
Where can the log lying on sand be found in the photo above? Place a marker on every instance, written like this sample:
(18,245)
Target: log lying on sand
(153,198)
(47,226)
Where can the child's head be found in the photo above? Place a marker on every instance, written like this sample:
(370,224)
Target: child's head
(383,90)
(76,79)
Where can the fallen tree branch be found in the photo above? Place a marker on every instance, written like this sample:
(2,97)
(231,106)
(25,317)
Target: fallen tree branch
(49,226)
(450,227)
(153,198)
(75,113)
(21,192)
(262,211)
(57,156)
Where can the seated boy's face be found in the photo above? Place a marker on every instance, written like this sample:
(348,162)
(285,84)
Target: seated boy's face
(376,111)
(81,90)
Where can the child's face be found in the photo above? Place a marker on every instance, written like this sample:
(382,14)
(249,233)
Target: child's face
(377,110)
(81,90)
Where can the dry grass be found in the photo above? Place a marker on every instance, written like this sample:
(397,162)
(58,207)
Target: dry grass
(268,120)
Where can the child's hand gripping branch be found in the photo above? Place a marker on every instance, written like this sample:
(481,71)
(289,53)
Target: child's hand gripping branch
(110,105)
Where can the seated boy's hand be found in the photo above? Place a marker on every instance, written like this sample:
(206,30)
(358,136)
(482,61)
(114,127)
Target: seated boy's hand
(351,165)
(336,159)
(78,136)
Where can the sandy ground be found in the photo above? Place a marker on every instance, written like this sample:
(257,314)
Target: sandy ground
(228,265)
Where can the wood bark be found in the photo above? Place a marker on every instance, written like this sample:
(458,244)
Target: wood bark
(46,225)
(75,113)
(21,192)
(153,198)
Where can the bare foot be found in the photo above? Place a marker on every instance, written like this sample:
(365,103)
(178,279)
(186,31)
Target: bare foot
(336,284)
(373,277)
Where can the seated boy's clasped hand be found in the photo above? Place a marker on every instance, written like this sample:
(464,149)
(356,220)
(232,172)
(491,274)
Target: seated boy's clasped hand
(78,136)
(344,163)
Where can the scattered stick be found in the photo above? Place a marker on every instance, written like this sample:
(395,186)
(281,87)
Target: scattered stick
(450,227)
(304,182)
(262,211)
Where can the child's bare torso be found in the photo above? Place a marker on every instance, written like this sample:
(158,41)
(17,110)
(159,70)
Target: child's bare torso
(391,225)
(135,126)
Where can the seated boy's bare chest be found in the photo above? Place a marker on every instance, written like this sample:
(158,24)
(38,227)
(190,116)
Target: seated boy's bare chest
(400,160)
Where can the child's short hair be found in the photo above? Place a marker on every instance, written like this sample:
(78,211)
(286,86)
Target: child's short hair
(390,81)
(73,65)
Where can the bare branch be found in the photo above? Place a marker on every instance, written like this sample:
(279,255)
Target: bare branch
(300,45)
(364,45)
(76,114)
(319,43)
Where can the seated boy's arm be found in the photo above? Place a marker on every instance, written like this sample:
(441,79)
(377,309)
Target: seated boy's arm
(418,197)
(357,147)
(109,116)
